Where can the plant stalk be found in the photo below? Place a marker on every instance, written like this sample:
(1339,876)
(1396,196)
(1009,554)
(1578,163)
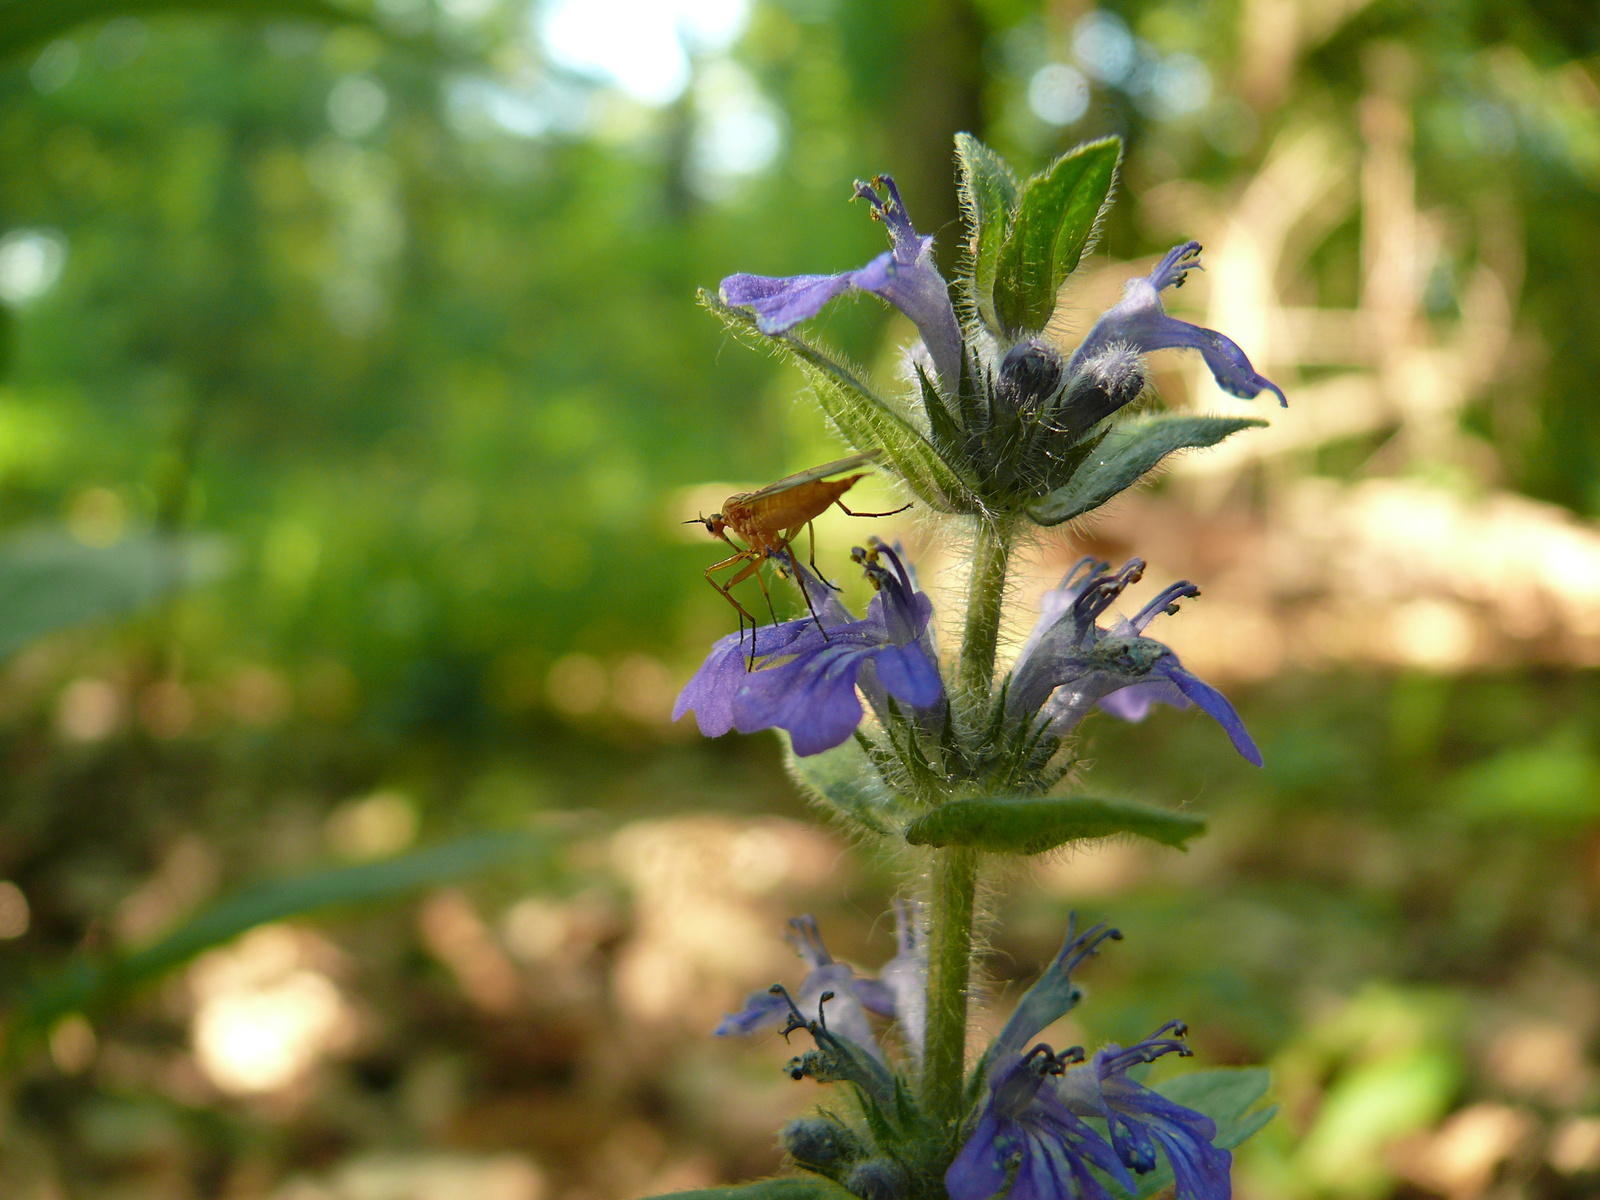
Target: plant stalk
(986,590)
(955,881)
(955,868)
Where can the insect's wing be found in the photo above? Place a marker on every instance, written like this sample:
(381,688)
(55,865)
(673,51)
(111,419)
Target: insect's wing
(813,474)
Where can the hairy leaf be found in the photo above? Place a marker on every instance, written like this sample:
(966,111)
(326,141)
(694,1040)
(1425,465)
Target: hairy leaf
(1034,824)
(988,192)
(1055,218)
(845,781)
(49,581)
(865,420)
(1126,455)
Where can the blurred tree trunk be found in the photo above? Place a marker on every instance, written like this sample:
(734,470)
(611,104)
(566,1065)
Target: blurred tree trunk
(919,65)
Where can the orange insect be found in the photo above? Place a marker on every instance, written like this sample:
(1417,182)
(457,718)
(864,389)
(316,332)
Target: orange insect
(770,520)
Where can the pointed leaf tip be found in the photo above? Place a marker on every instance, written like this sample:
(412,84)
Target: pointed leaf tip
(1126,455)
(1034,824)
(1056,216)
(866,420)
(988,194)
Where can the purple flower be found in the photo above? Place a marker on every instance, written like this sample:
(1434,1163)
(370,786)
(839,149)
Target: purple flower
(1138,322)
(846,1013)
(805,679)
(1034,1117)
(1024,1122)
(1140,1120)
(711,689)
(905,276)
(1069,664)
(899,991)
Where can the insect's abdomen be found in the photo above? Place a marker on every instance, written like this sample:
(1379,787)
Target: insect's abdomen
(788,509)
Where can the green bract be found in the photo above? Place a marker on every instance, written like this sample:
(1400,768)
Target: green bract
(1034,824)
(988,198)
(866,421)
(1049,229)
(1127,455)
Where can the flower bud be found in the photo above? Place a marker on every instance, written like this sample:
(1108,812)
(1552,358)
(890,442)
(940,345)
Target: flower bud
(1100,386)
(878,1179)
(1030,373)
(820,1144)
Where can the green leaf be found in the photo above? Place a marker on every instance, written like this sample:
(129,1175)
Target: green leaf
(49,581)
(865,420)
(1055,219)
(787,1187)
(1226,1096)
(93,982)
(845,780)
(1034,824)
(988,192)
(1126,455)
(28,23)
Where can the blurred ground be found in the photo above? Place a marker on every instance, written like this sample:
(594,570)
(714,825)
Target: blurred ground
(1395,914)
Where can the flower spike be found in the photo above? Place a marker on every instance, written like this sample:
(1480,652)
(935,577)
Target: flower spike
(1032,1128)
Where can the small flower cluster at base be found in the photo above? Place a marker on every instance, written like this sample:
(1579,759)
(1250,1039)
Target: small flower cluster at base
(1032,1130)
(1032,1126)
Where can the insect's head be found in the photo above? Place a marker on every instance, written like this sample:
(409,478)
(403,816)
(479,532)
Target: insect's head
(714,523)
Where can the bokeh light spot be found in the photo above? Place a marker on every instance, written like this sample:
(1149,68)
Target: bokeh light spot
(31,261)
(1058,94)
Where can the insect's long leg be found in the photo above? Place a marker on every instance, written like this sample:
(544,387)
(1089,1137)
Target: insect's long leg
(783,548)
(848,513)
(740,553)
(811,528)
(742,556)
(753,567)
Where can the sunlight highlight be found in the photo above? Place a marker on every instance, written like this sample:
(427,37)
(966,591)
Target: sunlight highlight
(641,47)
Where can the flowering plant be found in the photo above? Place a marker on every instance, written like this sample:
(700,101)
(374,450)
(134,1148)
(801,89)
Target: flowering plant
(1001,433)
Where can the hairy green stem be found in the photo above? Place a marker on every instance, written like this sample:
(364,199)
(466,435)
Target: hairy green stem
(955,869)
(985,591)
(955,882)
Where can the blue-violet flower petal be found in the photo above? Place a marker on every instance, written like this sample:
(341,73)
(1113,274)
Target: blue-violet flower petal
(1139,322)
(905,276)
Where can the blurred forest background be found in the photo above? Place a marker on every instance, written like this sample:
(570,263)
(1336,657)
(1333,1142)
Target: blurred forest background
(353,393)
